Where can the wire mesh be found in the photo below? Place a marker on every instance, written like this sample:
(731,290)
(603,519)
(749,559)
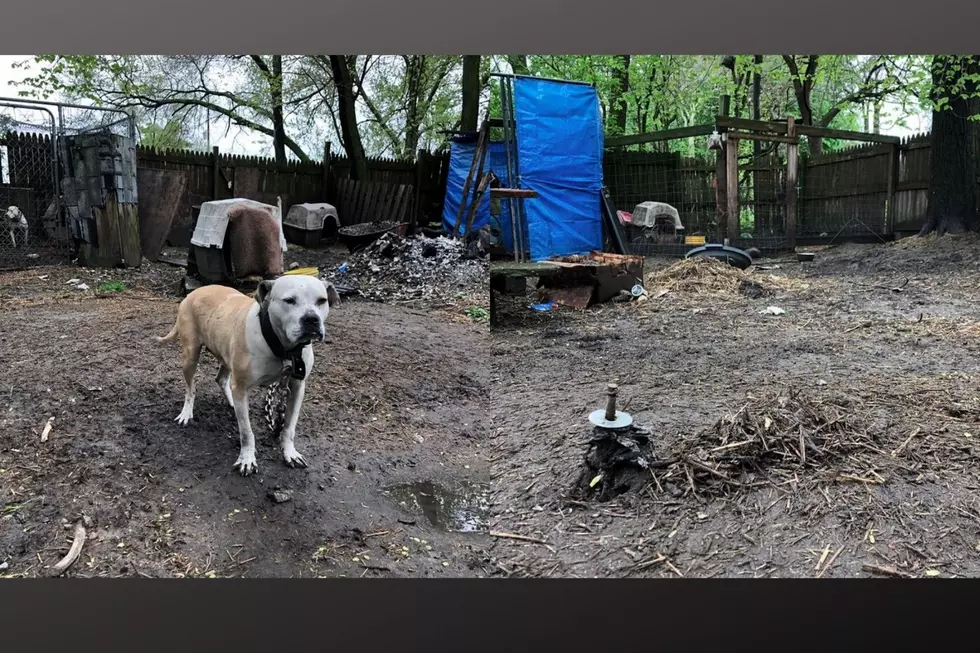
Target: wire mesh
(685,183)
(34,232)
(841,193)
(74,120)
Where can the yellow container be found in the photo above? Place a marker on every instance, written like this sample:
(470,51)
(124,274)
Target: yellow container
(311,272)
(694,240)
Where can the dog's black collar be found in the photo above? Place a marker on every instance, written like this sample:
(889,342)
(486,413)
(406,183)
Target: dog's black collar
(294,355)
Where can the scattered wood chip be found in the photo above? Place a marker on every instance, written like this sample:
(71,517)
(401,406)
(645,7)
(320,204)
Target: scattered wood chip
(886,571)
(516,536)
(47,429)
(73,553)
(863,325)
(830,563)
(897,452)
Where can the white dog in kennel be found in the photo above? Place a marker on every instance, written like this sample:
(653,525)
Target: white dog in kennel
(17,222)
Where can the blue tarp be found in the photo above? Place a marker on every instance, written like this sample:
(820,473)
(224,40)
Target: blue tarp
(460,160)
(559,144)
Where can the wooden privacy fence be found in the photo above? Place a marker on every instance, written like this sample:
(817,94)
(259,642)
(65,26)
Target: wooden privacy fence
(413,189)
(367,201)
(875,190)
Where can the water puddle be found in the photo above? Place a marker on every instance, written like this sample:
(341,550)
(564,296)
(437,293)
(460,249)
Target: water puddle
(463,509)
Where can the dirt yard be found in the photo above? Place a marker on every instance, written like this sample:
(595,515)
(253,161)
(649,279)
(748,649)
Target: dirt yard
(394,427)
(837,439)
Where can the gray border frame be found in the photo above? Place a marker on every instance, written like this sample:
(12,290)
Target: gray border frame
(444,26)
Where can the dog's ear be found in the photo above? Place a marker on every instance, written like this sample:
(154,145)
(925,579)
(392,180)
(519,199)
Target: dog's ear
(333,297)
(262,292)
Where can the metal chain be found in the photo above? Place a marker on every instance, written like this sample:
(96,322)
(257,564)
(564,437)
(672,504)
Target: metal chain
(275,402)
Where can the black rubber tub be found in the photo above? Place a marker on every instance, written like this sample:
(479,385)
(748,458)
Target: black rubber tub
(732,255)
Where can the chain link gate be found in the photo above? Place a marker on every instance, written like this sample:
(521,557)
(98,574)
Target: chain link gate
(34,231)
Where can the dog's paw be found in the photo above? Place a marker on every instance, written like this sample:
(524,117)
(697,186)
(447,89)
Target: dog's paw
(294,458)
(185,417)
(246,464)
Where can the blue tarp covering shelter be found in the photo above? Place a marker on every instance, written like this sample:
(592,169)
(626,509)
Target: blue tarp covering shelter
(559,152)
(559,145)
(460,159)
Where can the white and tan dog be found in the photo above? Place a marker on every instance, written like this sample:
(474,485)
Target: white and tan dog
(252,338)
(17,221)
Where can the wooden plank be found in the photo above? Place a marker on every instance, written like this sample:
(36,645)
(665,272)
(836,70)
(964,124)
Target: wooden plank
(362,195)
(387,200)
(774,126)
(159,200)
(744,135)
(481,189)
(376,196)
(780,127)
(398,203)
(215,172)
(871,191)
(665,135)
(420,169)
(504,193)
(346,191)
(478,155)
(731,183)
(326,195)
(823,132)
(792,162)
(832,158)
(721,192)
(893,169)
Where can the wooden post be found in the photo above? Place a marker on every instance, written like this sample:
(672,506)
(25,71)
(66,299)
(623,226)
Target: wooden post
(724,106)
(479,156)
(792,162)
(327,195)
(215,172)
(731,183)
(721,175)
(890,209)
(421,162)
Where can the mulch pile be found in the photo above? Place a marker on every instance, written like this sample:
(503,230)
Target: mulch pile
(707,276)
(771,440)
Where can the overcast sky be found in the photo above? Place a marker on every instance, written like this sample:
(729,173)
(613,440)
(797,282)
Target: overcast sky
(238,141)
(235,141)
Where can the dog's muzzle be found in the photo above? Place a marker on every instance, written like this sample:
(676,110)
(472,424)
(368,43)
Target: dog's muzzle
(312,328)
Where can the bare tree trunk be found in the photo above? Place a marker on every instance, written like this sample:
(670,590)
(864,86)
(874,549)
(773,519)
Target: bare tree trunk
(518,64)
(952,160)
(802,88)
(347,114)
(273,80)
(278,120)
(877,116)
(414,70)
(471,93)
(617,101)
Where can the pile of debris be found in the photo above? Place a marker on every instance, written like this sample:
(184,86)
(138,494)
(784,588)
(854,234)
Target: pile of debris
(772,439)
(702,275)
(395,268)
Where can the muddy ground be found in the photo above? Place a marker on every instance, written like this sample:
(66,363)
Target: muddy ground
(884,337)
(394,427)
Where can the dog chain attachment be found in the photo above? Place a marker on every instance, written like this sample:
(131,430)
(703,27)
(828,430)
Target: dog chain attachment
(275,402)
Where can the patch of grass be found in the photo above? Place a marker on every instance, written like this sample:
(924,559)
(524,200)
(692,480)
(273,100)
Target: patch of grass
(477,314)
(111,286)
